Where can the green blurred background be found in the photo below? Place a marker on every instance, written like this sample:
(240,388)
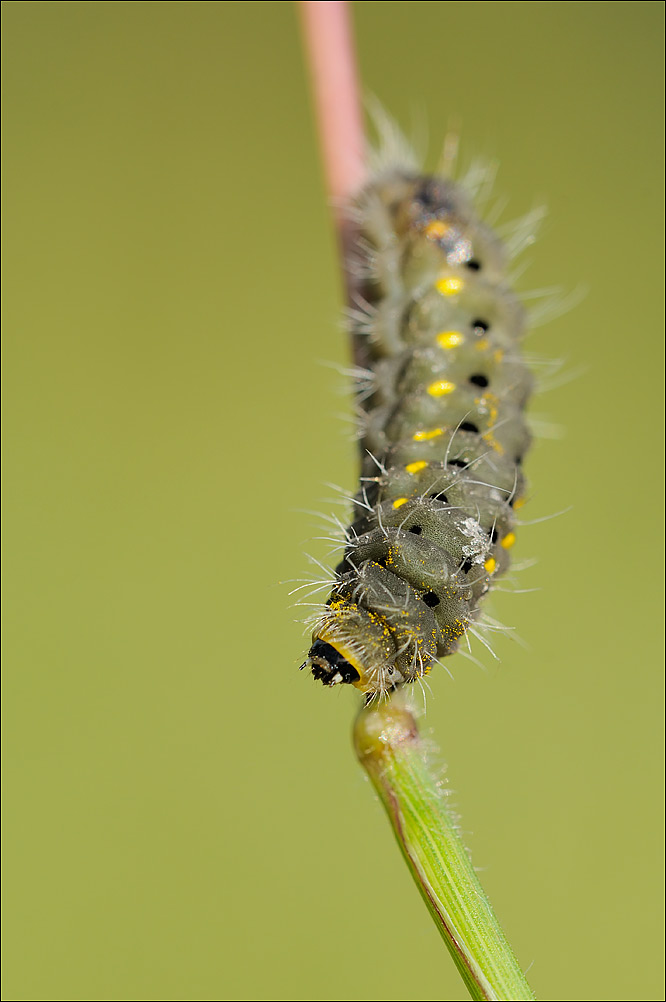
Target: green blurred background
(185,819)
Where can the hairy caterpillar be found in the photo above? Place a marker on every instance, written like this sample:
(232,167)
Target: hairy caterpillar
(443,434)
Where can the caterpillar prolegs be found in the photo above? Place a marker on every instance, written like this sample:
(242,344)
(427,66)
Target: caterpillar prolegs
(443,434)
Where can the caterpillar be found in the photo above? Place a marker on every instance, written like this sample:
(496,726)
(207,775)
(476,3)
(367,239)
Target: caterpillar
(441,401)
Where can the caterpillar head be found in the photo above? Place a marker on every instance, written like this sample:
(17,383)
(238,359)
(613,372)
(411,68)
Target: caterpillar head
(329,666)
(351,645)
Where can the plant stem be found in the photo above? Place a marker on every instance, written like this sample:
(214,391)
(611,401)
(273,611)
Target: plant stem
(328,40)
(329,45)
(389,748)
(386,736)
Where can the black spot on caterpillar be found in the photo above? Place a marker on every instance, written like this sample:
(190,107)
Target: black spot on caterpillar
(442,432)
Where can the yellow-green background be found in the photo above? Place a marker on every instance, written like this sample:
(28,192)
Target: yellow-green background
(184,816)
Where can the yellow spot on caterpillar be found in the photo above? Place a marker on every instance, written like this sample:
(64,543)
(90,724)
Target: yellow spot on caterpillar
(441,387)
(493,443)
(399,502)
(518,503)
(436,229)
(487,404)
(424,436)
(449,286)
(490,564)
(449,339)
(483,344)
(418,464)
(509,540)
(498,355)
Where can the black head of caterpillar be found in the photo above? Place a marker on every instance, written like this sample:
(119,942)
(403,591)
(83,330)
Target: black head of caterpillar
(443,438)
(329,666)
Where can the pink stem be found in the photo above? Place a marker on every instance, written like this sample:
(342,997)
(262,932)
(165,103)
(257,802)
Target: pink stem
(330,47)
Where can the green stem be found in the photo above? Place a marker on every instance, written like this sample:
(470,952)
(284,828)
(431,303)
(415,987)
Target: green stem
(389,748)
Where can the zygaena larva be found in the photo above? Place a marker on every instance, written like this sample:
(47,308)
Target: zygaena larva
(443,435)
